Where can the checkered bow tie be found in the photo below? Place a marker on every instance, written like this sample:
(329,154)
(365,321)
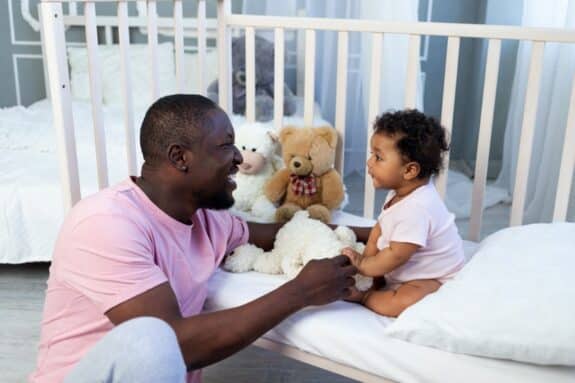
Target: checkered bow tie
(305,185)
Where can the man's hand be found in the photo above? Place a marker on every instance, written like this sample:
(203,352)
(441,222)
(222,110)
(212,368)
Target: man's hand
(325,280)
(354,257)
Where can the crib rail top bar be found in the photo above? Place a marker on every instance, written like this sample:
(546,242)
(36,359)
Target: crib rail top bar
(409,28)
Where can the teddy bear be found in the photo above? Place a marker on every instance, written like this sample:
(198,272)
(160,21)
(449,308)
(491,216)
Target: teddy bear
(297,242)
(264,73)
(258,145)
(309,180)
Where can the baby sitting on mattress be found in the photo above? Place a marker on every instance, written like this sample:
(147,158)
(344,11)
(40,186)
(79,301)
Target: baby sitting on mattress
(415,244)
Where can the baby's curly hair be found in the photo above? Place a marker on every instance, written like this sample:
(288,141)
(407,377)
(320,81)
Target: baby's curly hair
(419,138)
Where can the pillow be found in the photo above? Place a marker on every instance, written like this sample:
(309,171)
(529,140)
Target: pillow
(514,300)
(112,74)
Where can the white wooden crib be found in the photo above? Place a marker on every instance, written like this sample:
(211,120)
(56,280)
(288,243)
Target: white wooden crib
(54,21)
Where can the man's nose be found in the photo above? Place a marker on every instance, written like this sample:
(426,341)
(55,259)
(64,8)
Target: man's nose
(238,158)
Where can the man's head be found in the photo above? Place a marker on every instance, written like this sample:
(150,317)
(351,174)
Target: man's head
(190,140)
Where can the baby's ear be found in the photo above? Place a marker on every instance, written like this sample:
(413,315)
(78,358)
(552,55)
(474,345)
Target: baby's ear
(412,170)
(286,132)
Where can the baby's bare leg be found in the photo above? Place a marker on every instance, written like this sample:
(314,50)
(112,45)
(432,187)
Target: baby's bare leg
(391,303)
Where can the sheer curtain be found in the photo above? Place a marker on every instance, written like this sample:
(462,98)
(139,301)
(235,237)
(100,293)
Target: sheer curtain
(556,84)
(394,61)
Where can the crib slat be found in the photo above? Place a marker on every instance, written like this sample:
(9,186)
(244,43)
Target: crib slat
(484,141)
(201,47)
(309,88)
(527,131)
(373,110)
(153,45)
(279,78)
(124,37)
(96,93)
(341,97)
(412,72)
(224,57)
(567,164)
(109,36)
(447,107)
(250,75)
(179,44)
(54,48)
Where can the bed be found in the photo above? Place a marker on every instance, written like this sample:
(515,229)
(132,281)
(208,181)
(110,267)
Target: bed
(339,337)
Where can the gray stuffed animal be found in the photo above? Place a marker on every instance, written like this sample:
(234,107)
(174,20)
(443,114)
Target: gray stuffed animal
(264,72)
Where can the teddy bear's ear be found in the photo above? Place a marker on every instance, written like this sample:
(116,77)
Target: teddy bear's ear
(327,133)
(274,137)
(286,132)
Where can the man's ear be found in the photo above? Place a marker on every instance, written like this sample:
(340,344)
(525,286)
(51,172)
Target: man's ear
(179,157)
(411,171)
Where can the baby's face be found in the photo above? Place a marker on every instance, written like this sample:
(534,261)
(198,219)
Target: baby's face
(385,164)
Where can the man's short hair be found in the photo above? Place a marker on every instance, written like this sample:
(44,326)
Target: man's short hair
(174,119)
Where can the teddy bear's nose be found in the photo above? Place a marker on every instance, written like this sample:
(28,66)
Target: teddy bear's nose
(296,164)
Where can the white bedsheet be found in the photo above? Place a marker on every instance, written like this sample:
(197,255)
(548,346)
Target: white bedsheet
(352,335)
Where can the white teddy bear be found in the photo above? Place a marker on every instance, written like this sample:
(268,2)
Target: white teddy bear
(299,241)
(258,146)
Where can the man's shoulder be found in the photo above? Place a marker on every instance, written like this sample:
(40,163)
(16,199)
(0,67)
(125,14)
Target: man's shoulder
(114,202)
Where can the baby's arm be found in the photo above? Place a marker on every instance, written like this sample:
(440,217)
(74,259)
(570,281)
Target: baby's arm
(371,245)
(384,261)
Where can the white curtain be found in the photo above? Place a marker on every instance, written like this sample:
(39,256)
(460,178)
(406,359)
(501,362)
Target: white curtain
(394,61)
(556,84)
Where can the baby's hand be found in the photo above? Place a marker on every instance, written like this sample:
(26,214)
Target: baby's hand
(353,256)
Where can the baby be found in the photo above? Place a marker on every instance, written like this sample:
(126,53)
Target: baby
(415,244)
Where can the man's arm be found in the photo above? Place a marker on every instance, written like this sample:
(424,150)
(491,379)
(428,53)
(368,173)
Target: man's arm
(208,338)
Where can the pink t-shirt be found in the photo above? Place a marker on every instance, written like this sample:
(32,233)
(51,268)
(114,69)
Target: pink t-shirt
(113,246)
(422,218)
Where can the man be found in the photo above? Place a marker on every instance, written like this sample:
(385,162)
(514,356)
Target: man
(131,264)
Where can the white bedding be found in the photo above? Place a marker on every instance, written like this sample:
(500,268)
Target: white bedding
(352,335)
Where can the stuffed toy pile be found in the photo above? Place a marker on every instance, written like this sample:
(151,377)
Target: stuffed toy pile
(264,72)
(297,242)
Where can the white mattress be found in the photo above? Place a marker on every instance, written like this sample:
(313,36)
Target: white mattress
(30,194)
(352,335)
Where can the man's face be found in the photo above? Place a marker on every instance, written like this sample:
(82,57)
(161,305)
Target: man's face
(215,162)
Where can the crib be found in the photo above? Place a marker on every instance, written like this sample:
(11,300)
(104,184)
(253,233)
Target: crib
(54,21)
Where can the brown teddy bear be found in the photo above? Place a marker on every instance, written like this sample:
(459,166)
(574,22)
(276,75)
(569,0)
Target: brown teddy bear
(309,180)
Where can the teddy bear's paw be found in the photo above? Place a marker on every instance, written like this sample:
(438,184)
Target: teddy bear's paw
(242,258)
(286,212)
(362,283)
(359,247)
(264,108)
(319,212)
(345,235)
(291,267)
(268,263)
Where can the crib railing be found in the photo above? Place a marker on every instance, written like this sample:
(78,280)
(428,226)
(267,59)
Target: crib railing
(54,44)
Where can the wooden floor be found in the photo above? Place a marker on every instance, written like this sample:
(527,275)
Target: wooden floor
(21,299)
